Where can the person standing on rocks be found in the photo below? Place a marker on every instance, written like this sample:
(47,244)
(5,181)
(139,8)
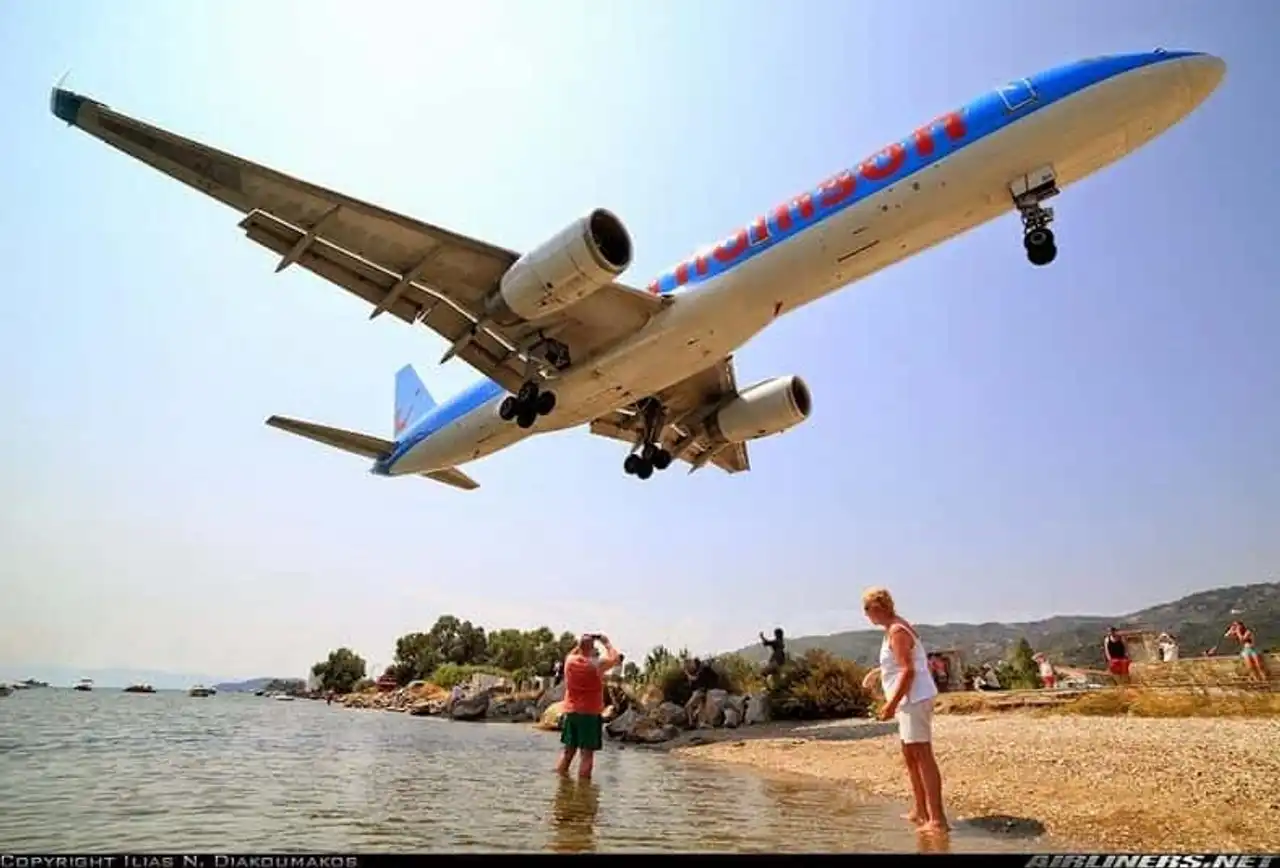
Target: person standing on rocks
(701,679)
(909,696)
(582,725)
(777,654)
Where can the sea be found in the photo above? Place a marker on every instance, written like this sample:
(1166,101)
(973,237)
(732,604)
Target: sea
(109,771)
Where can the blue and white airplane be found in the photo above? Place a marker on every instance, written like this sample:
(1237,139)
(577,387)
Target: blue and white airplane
(561,343)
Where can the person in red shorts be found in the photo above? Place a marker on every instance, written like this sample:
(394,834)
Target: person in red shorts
(582,725)
(1113,648)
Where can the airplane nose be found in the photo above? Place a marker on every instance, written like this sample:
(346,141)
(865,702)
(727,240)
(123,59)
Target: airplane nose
(1203,73)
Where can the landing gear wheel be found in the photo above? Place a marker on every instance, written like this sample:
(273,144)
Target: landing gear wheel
(1040,246)
(526,419)
(508,409)
(528,393)
(645,470)
(661,459)
(545,403)
(631,465)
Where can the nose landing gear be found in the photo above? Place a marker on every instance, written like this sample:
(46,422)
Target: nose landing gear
(1028,192)
(527,405)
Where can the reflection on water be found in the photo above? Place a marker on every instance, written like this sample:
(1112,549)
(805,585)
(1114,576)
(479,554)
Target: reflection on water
(164,771)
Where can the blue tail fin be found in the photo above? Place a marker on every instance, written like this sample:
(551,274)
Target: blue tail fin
(413,401)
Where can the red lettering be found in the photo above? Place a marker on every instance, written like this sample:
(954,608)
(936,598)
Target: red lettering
(732,248)
(834,191)
(682,274)
(782,216)
(952,123)
(804,204)
(700,263)
(758,231)
(875,170)
(654,289)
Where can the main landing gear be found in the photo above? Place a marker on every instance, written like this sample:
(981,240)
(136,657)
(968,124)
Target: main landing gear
(1028,192)
(527,405)
(648,455)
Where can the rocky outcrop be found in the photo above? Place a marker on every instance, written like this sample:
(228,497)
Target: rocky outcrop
(470,707)
(550,717)
(548,697)
(495,703)
(663,721)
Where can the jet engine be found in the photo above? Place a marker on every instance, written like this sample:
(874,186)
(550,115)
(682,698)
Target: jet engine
(581,258)
(762,410)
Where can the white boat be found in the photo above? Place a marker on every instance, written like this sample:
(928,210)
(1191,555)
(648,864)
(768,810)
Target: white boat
(84,684)
(201,690)
(283,697)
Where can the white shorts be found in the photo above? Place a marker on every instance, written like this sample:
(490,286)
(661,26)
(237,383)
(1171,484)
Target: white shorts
(915,721)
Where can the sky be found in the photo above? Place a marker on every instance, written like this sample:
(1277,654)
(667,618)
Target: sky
(989,440)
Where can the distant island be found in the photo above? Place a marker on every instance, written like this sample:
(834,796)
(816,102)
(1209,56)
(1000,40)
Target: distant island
(265,684)
(1197,621)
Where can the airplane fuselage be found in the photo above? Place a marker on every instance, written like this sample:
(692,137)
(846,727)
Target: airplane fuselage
(949,176)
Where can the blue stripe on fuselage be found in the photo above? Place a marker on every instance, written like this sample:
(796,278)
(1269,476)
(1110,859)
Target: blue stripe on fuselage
(472,398)
(982,117)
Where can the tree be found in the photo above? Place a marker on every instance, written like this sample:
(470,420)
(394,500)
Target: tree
(631,673)
(340,671)
(1021,670)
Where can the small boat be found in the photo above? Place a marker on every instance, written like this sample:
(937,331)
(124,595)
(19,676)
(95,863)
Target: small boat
(85,684)
(139,688)
(283,697)
(31,682)
(5,690)
(201,690)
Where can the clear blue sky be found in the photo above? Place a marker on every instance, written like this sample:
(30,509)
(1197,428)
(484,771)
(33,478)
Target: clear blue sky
(991,441)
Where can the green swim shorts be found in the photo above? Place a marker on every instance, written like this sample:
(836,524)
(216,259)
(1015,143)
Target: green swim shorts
(582,731)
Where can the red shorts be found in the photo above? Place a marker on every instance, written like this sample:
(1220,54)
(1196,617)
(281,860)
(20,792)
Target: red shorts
(1118,667)
(1049,680)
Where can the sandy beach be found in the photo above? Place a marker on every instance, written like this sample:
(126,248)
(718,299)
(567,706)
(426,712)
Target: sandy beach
(1096,783)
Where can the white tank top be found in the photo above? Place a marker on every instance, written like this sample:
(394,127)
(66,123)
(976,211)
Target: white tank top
(922,686)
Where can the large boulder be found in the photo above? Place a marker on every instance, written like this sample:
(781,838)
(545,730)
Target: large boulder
(426,708)
(470,708)
(550,697)
(621,726)
(550,717)
(756,709)
(712,711)
(649,731)
(508,708)
(670,714)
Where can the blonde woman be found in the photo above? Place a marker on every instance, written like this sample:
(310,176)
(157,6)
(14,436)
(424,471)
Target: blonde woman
(909,693)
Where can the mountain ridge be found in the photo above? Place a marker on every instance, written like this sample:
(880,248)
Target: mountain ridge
(1196,620)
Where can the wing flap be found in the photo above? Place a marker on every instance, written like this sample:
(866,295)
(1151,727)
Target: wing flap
(347,441)
(455,477)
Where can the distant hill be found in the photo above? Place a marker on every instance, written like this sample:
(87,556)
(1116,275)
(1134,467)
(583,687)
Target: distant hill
(1198,622)
(255,684)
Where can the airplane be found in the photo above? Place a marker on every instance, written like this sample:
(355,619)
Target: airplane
(561,342)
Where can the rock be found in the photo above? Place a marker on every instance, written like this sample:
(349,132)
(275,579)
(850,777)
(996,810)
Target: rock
(510,709)
(550,718)
(550,697)
(470,708)
(670,714)
(622,725)
(423,708)
(732,718)
(712,712)
(649,731)
(757,709)
(737,703)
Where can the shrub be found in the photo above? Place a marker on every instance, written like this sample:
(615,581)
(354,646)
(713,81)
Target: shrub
(447,675)
(733,673)
(820,686)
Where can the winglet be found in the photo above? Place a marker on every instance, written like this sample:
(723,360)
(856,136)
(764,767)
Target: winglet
(64,104)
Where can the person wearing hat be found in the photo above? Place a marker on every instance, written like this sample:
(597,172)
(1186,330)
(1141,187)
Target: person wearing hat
(582,725)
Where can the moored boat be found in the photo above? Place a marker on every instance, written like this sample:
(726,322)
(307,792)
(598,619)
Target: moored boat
(201,690)
(139,688)
(84,684)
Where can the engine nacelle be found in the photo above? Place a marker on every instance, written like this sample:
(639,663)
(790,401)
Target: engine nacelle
(762,410)
(583,257)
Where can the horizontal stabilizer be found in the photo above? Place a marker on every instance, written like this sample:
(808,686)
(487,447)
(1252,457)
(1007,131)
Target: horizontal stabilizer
(455,477)
(347,441)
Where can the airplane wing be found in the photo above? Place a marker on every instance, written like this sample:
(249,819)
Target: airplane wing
(413,270)
(689,403)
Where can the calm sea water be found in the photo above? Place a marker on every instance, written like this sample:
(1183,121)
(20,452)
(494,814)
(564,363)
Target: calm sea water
(108,770)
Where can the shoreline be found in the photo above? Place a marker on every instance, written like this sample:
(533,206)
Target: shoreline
(1132,784)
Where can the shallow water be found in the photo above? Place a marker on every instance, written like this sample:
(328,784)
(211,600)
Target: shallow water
(164,771)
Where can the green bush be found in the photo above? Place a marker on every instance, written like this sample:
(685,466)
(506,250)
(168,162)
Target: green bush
(732,674)
(447,675)
(819,686)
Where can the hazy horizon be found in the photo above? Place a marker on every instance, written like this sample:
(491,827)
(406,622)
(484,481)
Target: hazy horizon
(992,441)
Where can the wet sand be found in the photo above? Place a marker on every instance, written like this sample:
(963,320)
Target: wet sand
(1097,783)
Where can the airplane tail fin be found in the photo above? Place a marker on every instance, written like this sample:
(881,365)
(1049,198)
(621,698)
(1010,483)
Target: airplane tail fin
(413,401)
